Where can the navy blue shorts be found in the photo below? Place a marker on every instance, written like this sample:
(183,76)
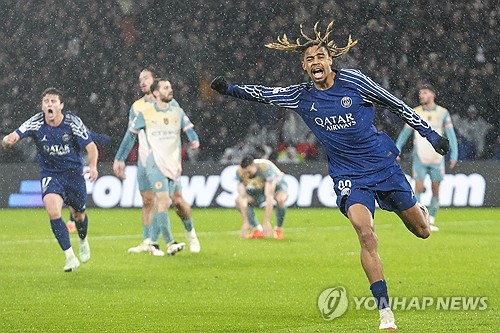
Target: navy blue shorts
(392,194)
(70,186)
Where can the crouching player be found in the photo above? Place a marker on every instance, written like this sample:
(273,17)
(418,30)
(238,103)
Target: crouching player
(260,181)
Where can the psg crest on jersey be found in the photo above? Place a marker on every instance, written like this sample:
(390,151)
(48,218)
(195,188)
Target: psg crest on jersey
(66,137)
(346,101)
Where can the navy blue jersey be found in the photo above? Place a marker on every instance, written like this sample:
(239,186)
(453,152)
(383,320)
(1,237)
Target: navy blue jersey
(59,148)
(341,117)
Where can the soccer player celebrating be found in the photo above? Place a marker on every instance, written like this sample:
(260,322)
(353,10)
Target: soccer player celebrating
(338,106)
(260,181)
(425,159)
(60,138)
(162,123)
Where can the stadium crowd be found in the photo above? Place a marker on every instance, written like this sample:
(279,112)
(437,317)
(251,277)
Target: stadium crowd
(99,47)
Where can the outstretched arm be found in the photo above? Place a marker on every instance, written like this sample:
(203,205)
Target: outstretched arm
(11,139)
(287,97)
(374,93)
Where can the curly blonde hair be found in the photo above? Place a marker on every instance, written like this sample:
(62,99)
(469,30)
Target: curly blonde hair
(284,45)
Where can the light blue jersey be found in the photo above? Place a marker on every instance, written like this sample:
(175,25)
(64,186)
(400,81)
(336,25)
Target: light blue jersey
(143,149)
(162,136)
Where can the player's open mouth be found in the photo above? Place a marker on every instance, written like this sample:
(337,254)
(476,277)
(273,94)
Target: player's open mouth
(317,72)
(50,111)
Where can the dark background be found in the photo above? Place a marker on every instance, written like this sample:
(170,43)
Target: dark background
(94,51)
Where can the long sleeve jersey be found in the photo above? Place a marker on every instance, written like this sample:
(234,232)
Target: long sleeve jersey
(341,118)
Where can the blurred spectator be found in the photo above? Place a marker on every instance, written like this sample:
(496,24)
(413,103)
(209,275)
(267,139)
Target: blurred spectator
(308,149)
(491,143)
(293,130)
(230,156)
(496,154)
(466,149)
(474,128)
(289,155)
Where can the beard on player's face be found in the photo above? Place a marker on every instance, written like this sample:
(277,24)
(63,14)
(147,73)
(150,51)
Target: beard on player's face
(166,99)
(425,100)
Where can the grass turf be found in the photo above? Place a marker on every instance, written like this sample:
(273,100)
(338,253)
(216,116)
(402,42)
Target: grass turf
(237,285)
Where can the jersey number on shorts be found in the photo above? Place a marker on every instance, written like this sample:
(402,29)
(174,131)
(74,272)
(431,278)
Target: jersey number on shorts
(345,187)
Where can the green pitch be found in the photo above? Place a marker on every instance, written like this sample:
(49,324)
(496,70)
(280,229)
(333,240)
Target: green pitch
(237,285)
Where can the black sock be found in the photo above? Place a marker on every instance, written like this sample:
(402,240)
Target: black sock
(82,227)
(379,291)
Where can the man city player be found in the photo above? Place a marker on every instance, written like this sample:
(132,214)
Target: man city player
(162,122)
(425,160)
(151,229)
(60,138)
(338,107)
(260,181)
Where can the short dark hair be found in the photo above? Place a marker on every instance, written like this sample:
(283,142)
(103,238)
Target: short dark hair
(53,91)
(428,86)
(156,84)
(246,161)
(150,69)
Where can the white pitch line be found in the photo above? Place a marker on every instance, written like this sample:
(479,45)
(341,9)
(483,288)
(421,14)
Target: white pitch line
(230,232)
